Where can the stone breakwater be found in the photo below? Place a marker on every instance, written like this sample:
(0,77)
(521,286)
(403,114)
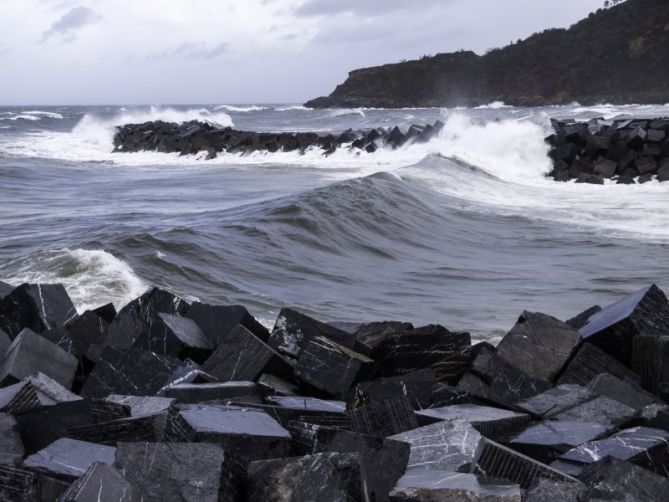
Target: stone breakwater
(171,401)
(626,150)
(195,137)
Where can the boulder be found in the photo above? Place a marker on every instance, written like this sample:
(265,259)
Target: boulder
(38,306)
(30,353)
(69,458)
(101,483)
(217,321)
(175,336)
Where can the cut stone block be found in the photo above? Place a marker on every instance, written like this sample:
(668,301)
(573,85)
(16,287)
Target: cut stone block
(5,289)
(493,459)
(373,333)
(447,446)
(293,330)
(576,403)
(590,361)
(245,433)
(10,326)
(148,428)
(330,367)
(447,395)
(18,485)
(101,483)
(642,446)
(138,317)
(38,307)
(30,353)
(130,372)
(538,345)
(324,476)
(275,386)
(581,319)
(243,356)
(384,417)
(490,422)
(645,312)
(142,405)
(201,392)
(86,330)
(217,321)
(11,446)
(547,440)
(651,360)
(611,479)
(69,458)
(626,392)
(175,336)
(417,386)
(434,347)
(437,485)
(106,312)
(555,491)
(5,342)
(173,472)
(310,410)
(189,372)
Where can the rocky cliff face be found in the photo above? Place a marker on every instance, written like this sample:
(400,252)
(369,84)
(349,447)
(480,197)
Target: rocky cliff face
(617,55)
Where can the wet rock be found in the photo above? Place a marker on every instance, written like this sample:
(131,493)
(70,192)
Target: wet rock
(448,445)
(106,312)
(82,332)
(101,483)
(17,484)
(38,306)
(222,391)
(175,336)
(11,446)
(590,361)
(330,367)
(494,459)
(30,353)
(581,319)
(417,386)
(645,312)
(490,422)
(384,417)
(293,330)
(131,372)
(241,355)
(323,476)
(423,485)
(69,458)
(173,472)
(142,405)
(627,392)
(217,321)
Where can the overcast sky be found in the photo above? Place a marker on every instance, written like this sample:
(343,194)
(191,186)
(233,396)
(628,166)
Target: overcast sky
(239,51)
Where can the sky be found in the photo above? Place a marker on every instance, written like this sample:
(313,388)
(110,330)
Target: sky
(239,51)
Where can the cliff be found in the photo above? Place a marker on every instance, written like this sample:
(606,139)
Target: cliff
(616,55)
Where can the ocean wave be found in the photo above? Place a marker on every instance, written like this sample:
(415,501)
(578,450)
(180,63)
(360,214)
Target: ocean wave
(242,109)
(32,115)
(92,277)
(495,105)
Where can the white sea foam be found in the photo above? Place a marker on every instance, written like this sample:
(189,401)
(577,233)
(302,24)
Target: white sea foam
(92,277)
(495,105)
(32,115)
(242,109)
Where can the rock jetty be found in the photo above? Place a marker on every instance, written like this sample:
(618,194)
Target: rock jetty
(170,401)
(195,137)
(626,150)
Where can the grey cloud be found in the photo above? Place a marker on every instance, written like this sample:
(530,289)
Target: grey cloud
(70,23)
(365,8)
(192,50)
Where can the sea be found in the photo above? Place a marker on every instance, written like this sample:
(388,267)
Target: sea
(464,231)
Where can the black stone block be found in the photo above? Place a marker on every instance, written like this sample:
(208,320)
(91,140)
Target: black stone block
(275,386)
(189,372)
(566,152)
(656,136)
(30,353)
(645,312)
(636,138)
(581,319)
(417,386)
(491,422)
(69,458)
(373,333)
(38,306)
(222,391)
(11,327)
(330,367)
(546,490)
(246,433)
(610,478)
(11,445)
(173,472)
(293,330)
(32,392)
(149,428)
(446,395)
(106,312)
(5,342)
(175,336)
(323,476)
(310,410)
(449,445)
(538,345)
(642,446)
(617,152)
(241,355)
(217,321)
(647,164)
(605,168)
(131,372)
(590,361)
(5,289)
(384,417)
(575,403)
(651,360)
(627,392)
(101,483)
(18,485)
(86,330)
(138,317)
(142,405)
(494,459)
(438,485)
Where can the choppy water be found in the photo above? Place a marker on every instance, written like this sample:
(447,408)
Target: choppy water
(464,230)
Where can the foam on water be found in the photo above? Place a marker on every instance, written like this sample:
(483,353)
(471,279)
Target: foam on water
(92,277)
(32,115)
